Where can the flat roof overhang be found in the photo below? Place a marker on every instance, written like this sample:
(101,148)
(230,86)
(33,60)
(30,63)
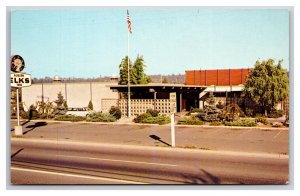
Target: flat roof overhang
(180,88)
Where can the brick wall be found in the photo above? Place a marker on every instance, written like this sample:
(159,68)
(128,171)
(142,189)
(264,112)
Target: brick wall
(219,77)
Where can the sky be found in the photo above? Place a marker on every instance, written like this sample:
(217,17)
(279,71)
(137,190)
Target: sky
(91,42)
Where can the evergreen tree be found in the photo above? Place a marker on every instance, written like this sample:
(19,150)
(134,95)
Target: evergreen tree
(137,75)
(65,104)
(211,99)
(138,71)
(267,85)
(60,107)
(124,71)
(90,105)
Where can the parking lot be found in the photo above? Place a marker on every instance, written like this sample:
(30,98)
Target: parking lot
(268,140)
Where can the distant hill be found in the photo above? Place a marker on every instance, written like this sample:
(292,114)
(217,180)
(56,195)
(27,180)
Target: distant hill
(171,79)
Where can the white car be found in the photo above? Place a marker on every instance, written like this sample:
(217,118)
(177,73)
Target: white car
(78,111)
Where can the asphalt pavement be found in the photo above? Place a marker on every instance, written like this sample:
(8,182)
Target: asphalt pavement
(250,140)
(67,162)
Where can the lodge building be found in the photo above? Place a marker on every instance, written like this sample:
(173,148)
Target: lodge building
(225,84)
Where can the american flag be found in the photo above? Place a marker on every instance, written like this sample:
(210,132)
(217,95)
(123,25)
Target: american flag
(129,22)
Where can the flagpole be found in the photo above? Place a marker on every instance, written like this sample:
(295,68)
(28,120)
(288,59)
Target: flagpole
(128,72)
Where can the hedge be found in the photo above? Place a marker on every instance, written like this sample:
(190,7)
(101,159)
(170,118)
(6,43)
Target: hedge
(72,118)
(241,123)
(100,117)
(190,121)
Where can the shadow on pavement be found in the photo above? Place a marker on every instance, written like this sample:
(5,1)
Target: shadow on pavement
(15,154)
(38,124)
(203,178)
(155,137)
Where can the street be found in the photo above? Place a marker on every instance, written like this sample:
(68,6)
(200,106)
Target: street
(57,162)
(95,153)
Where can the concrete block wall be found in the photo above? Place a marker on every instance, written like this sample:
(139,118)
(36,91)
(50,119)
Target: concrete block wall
(76,94)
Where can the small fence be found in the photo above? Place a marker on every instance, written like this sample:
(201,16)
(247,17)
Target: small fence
(140,106)
(107,103)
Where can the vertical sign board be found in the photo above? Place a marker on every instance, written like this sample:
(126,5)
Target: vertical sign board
(18,80)
(173,108)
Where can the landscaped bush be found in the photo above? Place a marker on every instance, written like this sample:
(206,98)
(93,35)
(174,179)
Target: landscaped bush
(258,115)
(116,112)
(211,117)
(249,112)
(141,118)
(153,113)
(196,110)
(216,123)
(34,115)
(190,121)
(275,113)
(161,120)
(220,105)
(231,112)
(100,117)
(72,118)
(24,115)
(262,120)
(152,117)
(241,123)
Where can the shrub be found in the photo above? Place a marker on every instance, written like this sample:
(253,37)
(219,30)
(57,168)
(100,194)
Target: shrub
(162,119)
(261,120)
(196,110)
(26,115)
(211,117)
(216,123)
(231,112)
(241,123)
(286,122)
(257,115)
(220,105)
(275,113)
(190,121)
(90,105)
(100,117)
(72,118)
(277,124)
(249,112)
(153,113)
(148,118)
(116,112)
(141,118)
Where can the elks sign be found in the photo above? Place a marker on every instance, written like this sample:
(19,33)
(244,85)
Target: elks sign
(20,80)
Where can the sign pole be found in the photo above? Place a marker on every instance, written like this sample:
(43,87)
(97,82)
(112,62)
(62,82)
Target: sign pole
(18,128)
(18,80)
(18,108)
(173,129)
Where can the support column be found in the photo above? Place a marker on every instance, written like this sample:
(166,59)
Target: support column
(180,102)
(155,100)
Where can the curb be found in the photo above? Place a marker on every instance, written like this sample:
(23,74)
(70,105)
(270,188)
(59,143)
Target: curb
(139,124)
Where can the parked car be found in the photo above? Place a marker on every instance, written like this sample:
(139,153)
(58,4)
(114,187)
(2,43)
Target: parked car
(84,111)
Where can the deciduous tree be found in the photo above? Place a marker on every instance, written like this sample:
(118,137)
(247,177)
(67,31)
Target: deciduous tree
(267,84)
